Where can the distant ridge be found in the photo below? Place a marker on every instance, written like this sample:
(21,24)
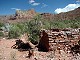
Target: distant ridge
(71,15)
(21,15)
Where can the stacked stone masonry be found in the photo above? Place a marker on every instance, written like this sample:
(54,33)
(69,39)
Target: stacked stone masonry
(58,39)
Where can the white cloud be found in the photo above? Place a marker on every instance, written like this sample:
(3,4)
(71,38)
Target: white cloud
(69,7)
(44,5)
(35,4)
(15,9)
(78,1)
(31,1)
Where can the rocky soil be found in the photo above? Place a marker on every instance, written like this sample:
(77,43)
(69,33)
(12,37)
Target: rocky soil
(7,53)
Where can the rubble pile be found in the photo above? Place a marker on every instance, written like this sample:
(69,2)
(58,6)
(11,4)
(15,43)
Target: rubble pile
(62,44)
(60,39)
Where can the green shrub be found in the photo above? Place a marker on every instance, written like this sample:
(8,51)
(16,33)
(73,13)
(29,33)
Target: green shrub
(74,25)
(34,27)
(14,31)
(1,34)
(1,25)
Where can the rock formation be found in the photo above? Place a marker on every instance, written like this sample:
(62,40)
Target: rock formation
(47,16)
(25,14)
(22,15)
(71,15)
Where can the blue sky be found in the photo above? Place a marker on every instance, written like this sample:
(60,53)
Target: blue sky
(52,6)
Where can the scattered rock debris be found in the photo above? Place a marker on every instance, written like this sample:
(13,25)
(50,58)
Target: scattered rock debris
(54,44)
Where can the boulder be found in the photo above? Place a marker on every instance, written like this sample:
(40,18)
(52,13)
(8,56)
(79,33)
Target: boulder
(24,38)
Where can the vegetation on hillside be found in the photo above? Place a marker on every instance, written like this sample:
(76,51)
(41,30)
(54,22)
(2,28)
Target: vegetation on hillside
(34,26)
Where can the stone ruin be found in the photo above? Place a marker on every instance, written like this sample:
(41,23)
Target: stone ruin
(58,42)
(23,14)
(58,39)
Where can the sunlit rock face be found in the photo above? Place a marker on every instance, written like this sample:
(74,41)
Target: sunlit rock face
(25,14)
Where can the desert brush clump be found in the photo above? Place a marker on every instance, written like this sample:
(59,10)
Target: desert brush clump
(14,31)
(33,27)
(1,34)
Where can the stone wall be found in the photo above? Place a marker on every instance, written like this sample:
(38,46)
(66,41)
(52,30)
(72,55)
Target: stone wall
(58,39)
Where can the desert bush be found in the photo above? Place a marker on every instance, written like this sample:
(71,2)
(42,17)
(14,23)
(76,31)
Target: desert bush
(1,24)
(34,26)
(14,32)
(1,34)
(65,23)
(23,27)
(33,30)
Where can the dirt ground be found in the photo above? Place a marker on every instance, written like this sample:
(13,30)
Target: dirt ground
(7,53)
